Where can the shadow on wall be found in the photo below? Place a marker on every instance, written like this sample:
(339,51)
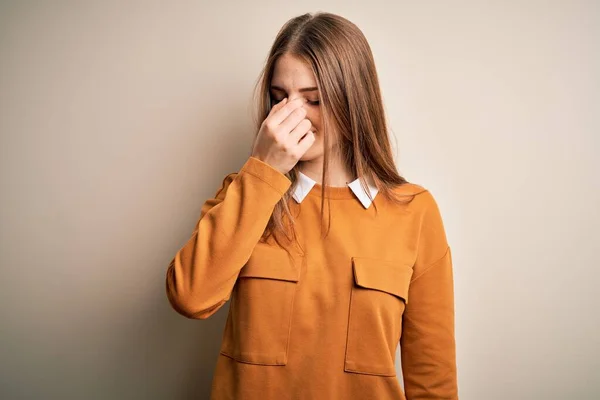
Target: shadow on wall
(163,341)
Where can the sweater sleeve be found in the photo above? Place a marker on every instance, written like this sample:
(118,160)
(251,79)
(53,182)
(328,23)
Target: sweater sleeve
(202,273)
(427,343)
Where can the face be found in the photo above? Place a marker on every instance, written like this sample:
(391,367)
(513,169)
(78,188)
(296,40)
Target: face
(293,78)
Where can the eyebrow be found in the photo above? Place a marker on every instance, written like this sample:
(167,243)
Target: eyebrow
(306,89)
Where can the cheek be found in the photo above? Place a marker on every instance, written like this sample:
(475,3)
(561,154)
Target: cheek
(314,116)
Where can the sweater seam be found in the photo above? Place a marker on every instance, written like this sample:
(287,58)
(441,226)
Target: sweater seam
(265,181)
(432,265)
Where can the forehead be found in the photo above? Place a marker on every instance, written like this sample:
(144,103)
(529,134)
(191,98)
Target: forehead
(290,72)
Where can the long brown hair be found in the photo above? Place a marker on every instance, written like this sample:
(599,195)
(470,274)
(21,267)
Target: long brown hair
(351,104)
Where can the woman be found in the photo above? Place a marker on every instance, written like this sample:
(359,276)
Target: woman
(329,256)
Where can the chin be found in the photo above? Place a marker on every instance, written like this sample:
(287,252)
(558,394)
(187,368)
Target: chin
(311,154)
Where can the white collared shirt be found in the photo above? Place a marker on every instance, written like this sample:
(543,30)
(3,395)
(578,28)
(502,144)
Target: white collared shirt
(305,184)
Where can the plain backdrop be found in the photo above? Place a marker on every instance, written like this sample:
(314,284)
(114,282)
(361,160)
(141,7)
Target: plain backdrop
(118,119)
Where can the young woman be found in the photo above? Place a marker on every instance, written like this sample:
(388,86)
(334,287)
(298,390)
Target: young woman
(329,256)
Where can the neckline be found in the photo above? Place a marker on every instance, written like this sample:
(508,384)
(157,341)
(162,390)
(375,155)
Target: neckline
(332,192)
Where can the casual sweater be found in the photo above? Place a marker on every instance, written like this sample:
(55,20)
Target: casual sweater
(324,321)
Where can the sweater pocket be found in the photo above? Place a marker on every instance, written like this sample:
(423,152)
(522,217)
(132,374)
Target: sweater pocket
(257,329)
(377,300)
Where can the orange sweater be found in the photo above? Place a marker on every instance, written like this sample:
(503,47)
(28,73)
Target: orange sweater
(323,324)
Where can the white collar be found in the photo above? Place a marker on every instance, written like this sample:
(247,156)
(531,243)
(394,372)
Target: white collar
(305,184)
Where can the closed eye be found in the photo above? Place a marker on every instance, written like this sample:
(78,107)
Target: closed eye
(314,103)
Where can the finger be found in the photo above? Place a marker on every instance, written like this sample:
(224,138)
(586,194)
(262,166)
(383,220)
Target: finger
(300,130)
(292,121)
(306,142)
(280,115)
(278,106)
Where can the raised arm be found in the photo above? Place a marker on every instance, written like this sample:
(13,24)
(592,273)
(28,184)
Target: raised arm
(202,274)
(428,343)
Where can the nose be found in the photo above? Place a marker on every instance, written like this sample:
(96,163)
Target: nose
(303,101)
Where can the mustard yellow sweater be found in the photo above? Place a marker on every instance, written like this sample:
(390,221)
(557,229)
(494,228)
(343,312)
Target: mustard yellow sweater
(323,323)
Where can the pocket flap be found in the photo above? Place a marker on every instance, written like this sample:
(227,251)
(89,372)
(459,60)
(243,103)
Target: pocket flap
(270,262)
(385,275)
